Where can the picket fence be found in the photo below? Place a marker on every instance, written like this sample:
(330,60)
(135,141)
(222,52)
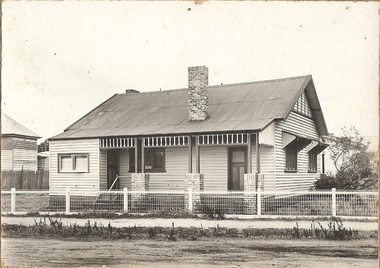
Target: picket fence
(258,204)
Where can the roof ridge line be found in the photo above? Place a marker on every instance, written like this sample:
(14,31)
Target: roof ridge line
(225,85)
(262,81)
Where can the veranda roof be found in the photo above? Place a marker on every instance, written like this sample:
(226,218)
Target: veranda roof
(234,107)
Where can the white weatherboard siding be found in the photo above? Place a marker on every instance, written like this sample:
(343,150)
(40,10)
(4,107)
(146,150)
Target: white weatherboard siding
(267,166)
(214,166)
(125,176)
(266,154)
(103,170)
(302,180)
(176,164)
(6,159)
(86,183)
(18,154)
(43,163)
(24,159)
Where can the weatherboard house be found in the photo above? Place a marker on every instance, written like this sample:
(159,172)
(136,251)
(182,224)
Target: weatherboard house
(18,146)
(235,137)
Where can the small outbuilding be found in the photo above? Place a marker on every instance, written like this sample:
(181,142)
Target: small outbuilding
(235,137)
(43,160)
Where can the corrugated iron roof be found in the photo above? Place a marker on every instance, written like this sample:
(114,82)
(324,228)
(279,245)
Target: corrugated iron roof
(234,107)
(11,127)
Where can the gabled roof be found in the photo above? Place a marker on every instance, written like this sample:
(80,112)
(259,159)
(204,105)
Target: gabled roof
(10,127)
(234,107)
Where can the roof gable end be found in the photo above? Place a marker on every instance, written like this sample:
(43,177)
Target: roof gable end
(10,127)
(308,89)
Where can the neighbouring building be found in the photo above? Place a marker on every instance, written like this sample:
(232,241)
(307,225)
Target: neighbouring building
(234,137)
(43,160)
(18,146)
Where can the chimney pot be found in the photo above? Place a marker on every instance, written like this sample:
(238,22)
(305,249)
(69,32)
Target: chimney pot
(131,91)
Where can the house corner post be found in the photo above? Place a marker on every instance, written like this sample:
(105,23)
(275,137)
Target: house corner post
(249,152)
(194,186)
(249,194)
(140,184)
(143,155)
(197,156)
(257,159)
(190,153)
(13,200)
(136,141)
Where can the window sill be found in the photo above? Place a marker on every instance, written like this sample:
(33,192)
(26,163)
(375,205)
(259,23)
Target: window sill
(290,171)
(148,171)
(312,171)
(154,171)
(73,172)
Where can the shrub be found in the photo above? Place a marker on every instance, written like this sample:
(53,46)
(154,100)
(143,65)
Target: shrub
(326,181)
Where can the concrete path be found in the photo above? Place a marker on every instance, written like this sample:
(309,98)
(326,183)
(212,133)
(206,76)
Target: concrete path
(240,224)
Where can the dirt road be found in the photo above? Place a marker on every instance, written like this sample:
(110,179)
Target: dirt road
(216,253)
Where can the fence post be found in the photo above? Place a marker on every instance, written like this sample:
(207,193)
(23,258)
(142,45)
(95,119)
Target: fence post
(333,199)
(258,202)
(125,200)
(190,200)
(13,200)
(67,200)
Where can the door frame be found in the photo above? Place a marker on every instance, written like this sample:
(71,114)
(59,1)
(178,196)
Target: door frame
(230,150)
(116,155)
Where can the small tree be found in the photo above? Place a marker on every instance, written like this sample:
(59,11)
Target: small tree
(43,146)
(356,166)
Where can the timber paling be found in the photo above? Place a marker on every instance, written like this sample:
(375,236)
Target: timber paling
(25,179)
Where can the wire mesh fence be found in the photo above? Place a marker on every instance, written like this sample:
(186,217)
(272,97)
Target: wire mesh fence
(6,201)
(24,201)
(297,203)
(234,203)
(356,204)
(144,202)
(259,203)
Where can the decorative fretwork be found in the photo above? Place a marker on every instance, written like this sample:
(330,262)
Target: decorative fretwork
(166,141)
(117,143)
(214,139)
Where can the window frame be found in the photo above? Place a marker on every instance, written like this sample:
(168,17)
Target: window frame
(73,163)
(151,152)
(291,150)
(313,166)
(132,162)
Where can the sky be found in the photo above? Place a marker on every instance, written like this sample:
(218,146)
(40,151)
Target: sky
(61,59)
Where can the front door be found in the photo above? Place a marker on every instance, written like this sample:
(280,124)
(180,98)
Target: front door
(112,169)
(237,168)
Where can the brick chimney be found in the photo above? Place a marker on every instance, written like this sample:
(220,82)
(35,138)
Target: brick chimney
(198,93)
